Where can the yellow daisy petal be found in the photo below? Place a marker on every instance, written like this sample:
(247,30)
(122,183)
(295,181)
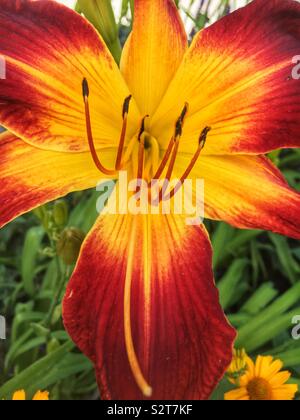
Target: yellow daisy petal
(285,393)
(41,396)
(261,365)
(271,370)
(19,395)
(237,395)
(280,378)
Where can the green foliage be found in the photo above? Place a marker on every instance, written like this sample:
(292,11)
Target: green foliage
(38,353)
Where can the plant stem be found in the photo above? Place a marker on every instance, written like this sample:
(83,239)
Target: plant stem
(61,281)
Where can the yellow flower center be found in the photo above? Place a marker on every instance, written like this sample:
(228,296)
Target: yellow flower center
(259,390)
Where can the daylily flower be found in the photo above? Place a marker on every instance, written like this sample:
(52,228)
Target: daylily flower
(142,303)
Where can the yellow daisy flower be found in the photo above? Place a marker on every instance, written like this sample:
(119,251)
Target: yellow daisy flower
(39,396)
(263,380)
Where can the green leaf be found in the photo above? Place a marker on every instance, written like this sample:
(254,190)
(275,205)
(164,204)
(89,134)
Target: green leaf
(85,214)
(290,266)
(228,284)
(289,358)
(36,376)
(220,240)
(238,320)
(267,332)
(223,387)
(30,252)
(260,299)
(266,318)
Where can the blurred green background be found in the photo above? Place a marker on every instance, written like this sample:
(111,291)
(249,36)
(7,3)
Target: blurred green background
(257,274)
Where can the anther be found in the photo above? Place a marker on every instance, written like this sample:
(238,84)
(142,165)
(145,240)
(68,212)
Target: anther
(180,121)
(125,112)
(85,89)
(126,106)
(203,137)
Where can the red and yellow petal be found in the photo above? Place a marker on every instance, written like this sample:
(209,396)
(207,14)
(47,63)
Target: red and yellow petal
(248,192)
(48,50)
(153,52)
(238,78)
(31,177)
(142,305)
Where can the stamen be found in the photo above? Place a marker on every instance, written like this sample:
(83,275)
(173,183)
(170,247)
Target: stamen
(202,141)
(129,150)
(165,159)
(177,134)
(85,94)
(123,132)
(172,161)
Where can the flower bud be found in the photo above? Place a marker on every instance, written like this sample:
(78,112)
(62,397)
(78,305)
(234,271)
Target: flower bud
(69,244)
(60,213)
(40,212)
(52,345)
